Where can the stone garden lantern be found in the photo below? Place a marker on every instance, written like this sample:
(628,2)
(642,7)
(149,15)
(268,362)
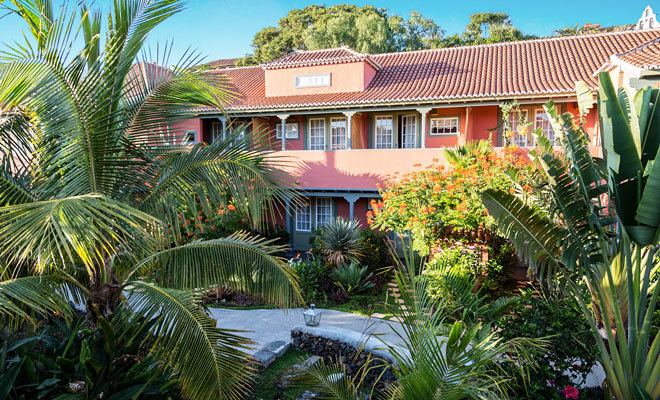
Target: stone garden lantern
(312,316)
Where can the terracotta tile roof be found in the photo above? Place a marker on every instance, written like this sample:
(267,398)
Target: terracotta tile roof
(646,56)
(142,77)
(305,58)
(532,68)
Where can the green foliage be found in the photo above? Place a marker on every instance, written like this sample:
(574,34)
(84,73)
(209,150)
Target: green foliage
(365,29)
(575,237)
(265,384)
(573,347)
(315,281)
(375,250)
(99,174)
(339,241)
(80,361)
(491,27)
(351,278)
(436,359)
(436,201)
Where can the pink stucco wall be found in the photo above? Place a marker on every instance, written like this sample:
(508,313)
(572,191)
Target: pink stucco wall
(181,126)
(354,169)
(346,77)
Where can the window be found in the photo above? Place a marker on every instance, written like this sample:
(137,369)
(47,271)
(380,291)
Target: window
(521,136)
(216,131)
(384,136)
(291,130)
(408,132)
(543,121)
(323,211)
(304,216)
(444,126)
(317,134)
(189,137)
(338,139)
(305,81)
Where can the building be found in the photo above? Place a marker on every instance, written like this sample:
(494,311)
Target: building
(349,120)
(648,20)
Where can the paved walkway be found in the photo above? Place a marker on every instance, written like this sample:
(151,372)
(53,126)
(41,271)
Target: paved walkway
(266,326)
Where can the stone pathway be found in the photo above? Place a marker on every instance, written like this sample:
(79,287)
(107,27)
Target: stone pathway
(265,327)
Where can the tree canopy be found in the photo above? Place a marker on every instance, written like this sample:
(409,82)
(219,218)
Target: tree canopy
(366,29)
(372,30)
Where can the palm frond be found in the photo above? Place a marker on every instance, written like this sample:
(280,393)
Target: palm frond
(537,239)
(210,361)
(242,262)
(223,171)
(83,229)
(21,297)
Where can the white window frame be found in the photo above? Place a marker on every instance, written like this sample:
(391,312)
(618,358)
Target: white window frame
(326,202)
(308,220)
(187,134)
(550,133)
(340,145)
(314,80)
(404,144)
(518,140)
(216,131)
(311,132)
(391,134)
(292,131)
(444,120)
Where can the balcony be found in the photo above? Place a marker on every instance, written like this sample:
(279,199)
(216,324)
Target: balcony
(352,169)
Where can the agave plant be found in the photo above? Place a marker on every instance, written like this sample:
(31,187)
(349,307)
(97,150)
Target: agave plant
(352,278)
(340,241)
(93,174)
(602,227)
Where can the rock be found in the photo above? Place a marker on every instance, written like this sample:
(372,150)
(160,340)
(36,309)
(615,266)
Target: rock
(265,357)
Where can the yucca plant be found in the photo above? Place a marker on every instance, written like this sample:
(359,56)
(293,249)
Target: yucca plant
(602,228)
(94,173)
(339,241)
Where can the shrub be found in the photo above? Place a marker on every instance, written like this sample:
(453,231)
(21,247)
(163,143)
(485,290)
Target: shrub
(573,348)
(78,361)
(352,279)
(429,202)
(375,252)
(315,281)
(338,241)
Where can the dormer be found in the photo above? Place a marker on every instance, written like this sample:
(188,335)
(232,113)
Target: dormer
(339,70)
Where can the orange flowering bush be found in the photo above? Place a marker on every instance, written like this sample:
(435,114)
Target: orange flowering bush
(427,203)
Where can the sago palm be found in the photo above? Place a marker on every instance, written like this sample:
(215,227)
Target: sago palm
(94,174)
(602,227)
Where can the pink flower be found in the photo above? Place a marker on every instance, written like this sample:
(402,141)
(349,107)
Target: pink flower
(570,392)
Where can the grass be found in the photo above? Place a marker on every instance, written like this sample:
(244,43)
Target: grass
(365,304)
(264,387)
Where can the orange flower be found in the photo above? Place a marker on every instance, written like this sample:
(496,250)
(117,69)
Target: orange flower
(231,207)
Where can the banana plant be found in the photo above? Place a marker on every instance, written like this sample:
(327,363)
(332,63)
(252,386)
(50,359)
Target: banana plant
(95,172)
(601,227)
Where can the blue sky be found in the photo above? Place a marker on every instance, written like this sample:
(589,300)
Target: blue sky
(224,28)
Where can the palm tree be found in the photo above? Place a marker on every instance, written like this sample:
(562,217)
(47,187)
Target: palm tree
(93,176)
(601,228)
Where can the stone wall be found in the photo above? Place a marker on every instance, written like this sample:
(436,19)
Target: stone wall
(348,347)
